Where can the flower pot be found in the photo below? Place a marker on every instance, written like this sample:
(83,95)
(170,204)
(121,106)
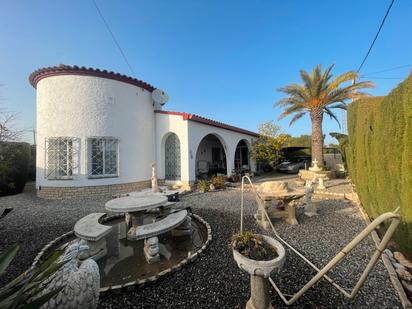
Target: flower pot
(261,268)
(259,272)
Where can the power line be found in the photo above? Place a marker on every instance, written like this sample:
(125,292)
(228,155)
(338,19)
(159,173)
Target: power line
(113,37)
(387,70)
(376,36)
(379,77)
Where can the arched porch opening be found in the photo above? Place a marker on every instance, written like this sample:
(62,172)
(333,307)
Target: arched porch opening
(172,161)
(242,157)
(210,157)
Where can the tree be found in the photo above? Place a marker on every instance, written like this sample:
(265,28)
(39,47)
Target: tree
(7,131)
(318,95)
(300,141)
(269,144)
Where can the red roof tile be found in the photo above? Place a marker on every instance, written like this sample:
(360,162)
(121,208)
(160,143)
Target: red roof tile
(210,122)
(62,69)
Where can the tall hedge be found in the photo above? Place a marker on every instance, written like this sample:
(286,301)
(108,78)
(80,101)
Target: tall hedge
(379,156)
(14,167)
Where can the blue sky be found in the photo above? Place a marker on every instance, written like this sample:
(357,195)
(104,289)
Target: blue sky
(219,59)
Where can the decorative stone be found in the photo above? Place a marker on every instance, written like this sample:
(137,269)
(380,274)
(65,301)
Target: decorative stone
(408,287)
(390,255)
(321,185)
(315,167)
(402,259)
(97,249)
(155,186)
(310,208)
(79,280)
(398,265)
(151,250)
(404,274)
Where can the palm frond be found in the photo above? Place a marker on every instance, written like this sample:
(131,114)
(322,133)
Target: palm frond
(297,117)
(331,115)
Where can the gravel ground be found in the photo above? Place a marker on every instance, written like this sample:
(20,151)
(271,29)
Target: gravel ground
(214,281)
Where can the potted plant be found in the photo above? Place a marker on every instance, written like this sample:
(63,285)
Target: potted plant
(258,255)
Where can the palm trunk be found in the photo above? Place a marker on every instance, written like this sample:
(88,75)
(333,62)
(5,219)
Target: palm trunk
(317,136)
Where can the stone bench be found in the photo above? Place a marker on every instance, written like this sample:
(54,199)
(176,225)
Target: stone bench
(92,233)
(162,226)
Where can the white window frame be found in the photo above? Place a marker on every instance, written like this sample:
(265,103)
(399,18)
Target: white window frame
(72,161)
(90,161)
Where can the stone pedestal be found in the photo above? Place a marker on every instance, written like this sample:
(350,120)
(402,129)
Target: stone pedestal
(310,208)
(259,293)
(321,185)
(151,250)
(155,186)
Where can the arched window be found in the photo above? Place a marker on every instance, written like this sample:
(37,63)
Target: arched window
(172,157)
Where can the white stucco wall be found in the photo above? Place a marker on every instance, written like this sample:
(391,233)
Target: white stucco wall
(166,124)
(190,134)
(86,106)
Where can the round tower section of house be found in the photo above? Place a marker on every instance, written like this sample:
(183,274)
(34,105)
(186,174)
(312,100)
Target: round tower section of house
(95,132)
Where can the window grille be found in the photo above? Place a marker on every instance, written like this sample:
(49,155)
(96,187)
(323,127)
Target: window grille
(103,157)
(61,157)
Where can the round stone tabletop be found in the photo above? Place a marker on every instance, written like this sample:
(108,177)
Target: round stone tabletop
(136,203)
(291,195)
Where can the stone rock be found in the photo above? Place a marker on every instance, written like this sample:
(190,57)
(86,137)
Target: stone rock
(404,274)
(212,187)
(398,265)
(388,253)
(402,259)
(408,287)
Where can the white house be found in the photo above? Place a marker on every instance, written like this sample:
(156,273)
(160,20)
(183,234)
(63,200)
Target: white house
(98,133)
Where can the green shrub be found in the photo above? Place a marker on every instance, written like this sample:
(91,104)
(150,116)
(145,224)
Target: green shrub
(218,182)
(32,164)
(14,167)
(379,156)
(203,185)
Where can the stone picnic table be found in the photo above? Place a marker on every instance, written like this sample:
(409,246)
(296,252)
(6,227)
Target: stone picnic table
(135,207)
(277,192)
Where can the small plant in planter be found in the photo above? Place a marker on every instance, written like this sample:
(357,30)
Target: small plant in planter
(203,185)
(258,255)
(218,182)
(252,246)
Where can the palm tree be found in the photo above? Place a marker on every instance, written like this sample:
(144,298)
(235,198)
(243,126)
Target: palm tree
(318,95)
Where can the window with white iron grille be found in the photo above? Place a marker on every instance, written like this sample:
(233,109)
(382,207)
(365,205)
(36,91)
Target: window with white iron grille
(61,157)
(103,157)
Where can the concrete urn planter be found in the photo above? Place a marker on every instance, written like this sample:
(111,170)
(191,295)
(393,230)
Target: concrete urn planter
(259,272)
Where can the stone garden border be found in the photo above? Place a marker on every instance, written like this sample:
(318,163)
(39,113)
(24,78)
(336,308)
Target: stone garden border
(137,283)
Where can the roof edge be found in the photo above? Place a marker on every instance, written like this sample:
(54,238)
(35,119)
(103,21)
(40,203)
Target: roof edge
(63,69)
(207,121)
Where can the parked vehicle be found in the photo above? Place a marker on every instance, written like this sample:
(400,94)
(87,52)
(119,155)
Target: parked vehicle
(292,166)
